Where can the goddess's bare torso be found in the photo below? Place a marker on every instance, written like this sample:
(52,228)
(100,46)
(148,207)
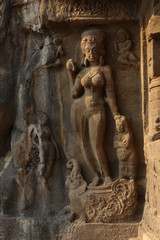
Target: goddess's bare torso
(93,81)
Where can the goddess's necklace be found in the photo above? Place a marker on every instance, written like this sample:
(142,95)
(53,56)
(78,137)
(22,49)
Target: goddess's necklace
(93,71)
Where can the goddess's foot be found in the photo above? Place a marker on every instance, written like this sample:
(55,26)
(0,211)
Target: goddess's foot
(94,182)
(107,181)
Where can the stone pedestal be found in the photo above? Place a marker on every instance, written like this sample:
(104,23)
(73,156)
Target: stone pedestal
(46,229)
(119,231)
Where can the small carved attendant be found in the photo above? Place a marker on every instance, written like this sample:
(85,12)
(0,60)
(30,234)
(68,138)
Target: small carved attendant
(91,88)
(123,142)
(123,46)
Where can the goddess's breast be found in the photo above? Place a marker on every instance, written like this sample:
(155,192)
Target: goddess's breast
(96,80)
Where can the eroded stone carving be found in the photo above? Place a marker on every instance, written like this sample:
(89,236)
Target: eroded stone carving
(123,143)
(157,128)
(20,2)
(27,19)
(154,117)
(5,9)
(42,150)
(91,88)
(77,187)
(60,51)
(45,56)
(123,46)
(39,156)
(99,204)
(34,152)
(61,10)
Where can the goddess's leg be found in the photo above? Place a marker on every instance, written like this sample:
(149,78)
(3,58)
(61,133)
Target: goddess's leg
(82,134)
(97,127)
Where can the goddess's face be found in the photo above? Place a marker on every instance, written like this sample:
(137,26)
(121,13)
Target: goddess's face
(92,54)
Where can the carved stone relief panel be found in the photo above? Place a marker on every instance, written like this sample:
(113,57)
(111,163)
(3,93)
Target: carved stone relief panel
(65,10)
(154,82)
(150,80)
(121,81)
(71,124)
(123,46)
(86,69)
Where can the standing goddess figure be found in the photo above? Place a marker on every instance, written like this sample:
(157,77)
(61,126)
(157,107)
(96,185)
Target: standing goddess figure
(91,88)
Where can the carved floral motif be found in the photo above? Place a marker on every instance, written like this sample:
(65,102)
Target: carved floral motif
(100,204)
(111,9)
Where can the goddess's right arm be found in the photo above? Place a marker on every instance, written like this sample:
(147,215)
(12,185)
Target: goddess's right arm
(71,70)
(75,80)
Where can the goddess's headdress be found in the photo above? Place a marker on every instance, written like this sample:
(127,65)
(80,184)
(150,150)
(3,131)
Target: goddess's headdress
(93,38)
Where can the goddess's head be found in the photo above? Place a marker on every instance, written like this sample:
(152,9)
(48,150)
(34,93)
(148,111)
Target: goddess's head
(92,45)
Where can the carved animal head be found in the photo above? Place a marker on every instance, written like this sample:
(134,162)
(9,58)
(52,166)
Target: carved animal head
(71,163)
(74,166)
